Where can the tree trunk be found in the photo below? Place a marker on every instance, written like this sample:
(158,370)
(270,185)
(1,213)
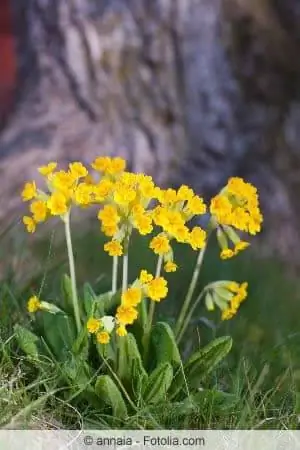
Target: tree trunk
(187,90)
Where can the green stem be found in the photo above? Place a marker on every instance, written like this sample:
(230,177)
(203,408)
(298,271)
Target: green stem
(72,271)
(152,302)
(125,273)
(114,275)
(151,312)
(190,292)
(189,316)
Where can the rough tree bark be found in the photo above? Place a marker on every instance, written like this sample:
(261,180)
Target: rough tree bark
(187,90)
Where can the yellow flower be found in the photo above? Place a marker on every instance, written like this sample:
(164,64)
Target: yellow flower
(131,297)
(121,331)
(242,245)
(101,163)
(160,244)
(157,289)
(110,230)
(103,337)
(33,304)
(39,210)
(185,193)
(113,248)
(78,170)
(197,238)
(221,208)
(196,205)
(227,253)
(126,315)
(29,191)
(240,291)
(124,195)
(143,224)
(116,166)
(145,277)
(83,194)
(168,196)
(181,234)
(170,266)
(93,325)
(109,216)
(29,224)
(57,204)
(102,190)
(63,182)
(48,169)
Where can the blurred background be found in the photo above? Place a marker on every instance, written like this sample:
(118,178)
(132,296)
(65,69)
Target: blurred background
(189,91)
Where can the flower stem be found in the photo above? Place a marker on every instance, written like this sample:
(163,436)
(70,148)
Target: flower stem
(72,271)
(114,275)
(189,316)
(190,293)
(151,313)
(125,273)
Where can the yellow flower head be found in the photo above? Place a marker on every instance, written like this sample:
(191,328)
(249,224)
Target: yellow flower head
(227,253)
(131,297)
(116,166)
(33,304)
(83,194)
(157,289)
(109,216)
(240,293)
(196,205)
(57,204)
(145,277)
(221,208)
(185,193)
(181,234)
(197,238)
(62,180)
(93,325)
(113,248)
(143,224)
(39,210)
(240,246)
(78,170)
(109,230)
(168,196)
(121,331)
(103,337)
(102,190)
(29,191)
(29,224)
(170,266)
(48,169)
(124,195)
(160,244)
(101,164)
(126,315)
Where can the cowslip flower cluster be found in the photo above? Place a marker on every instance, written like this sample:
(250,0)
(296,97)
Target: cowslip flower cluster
(235,207)
(131,201)
(62,189)
(227,295)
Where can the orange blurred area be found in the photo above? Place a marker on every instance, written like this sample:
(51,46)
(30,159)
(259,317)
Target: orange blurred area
(7,59)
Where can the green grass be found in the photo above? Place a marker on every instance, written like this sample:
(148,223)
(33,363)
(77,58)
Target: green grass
(262,372)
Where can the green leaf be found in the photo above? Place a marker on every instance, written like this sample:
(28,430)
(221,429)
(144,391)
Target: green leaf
(108,302)
(27,341)
(67,292)
(135,375)
(80,346)
(158,384)
(59,333)
(89,299)
(164,343)
(214,400)
(205,360)
(109,393)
